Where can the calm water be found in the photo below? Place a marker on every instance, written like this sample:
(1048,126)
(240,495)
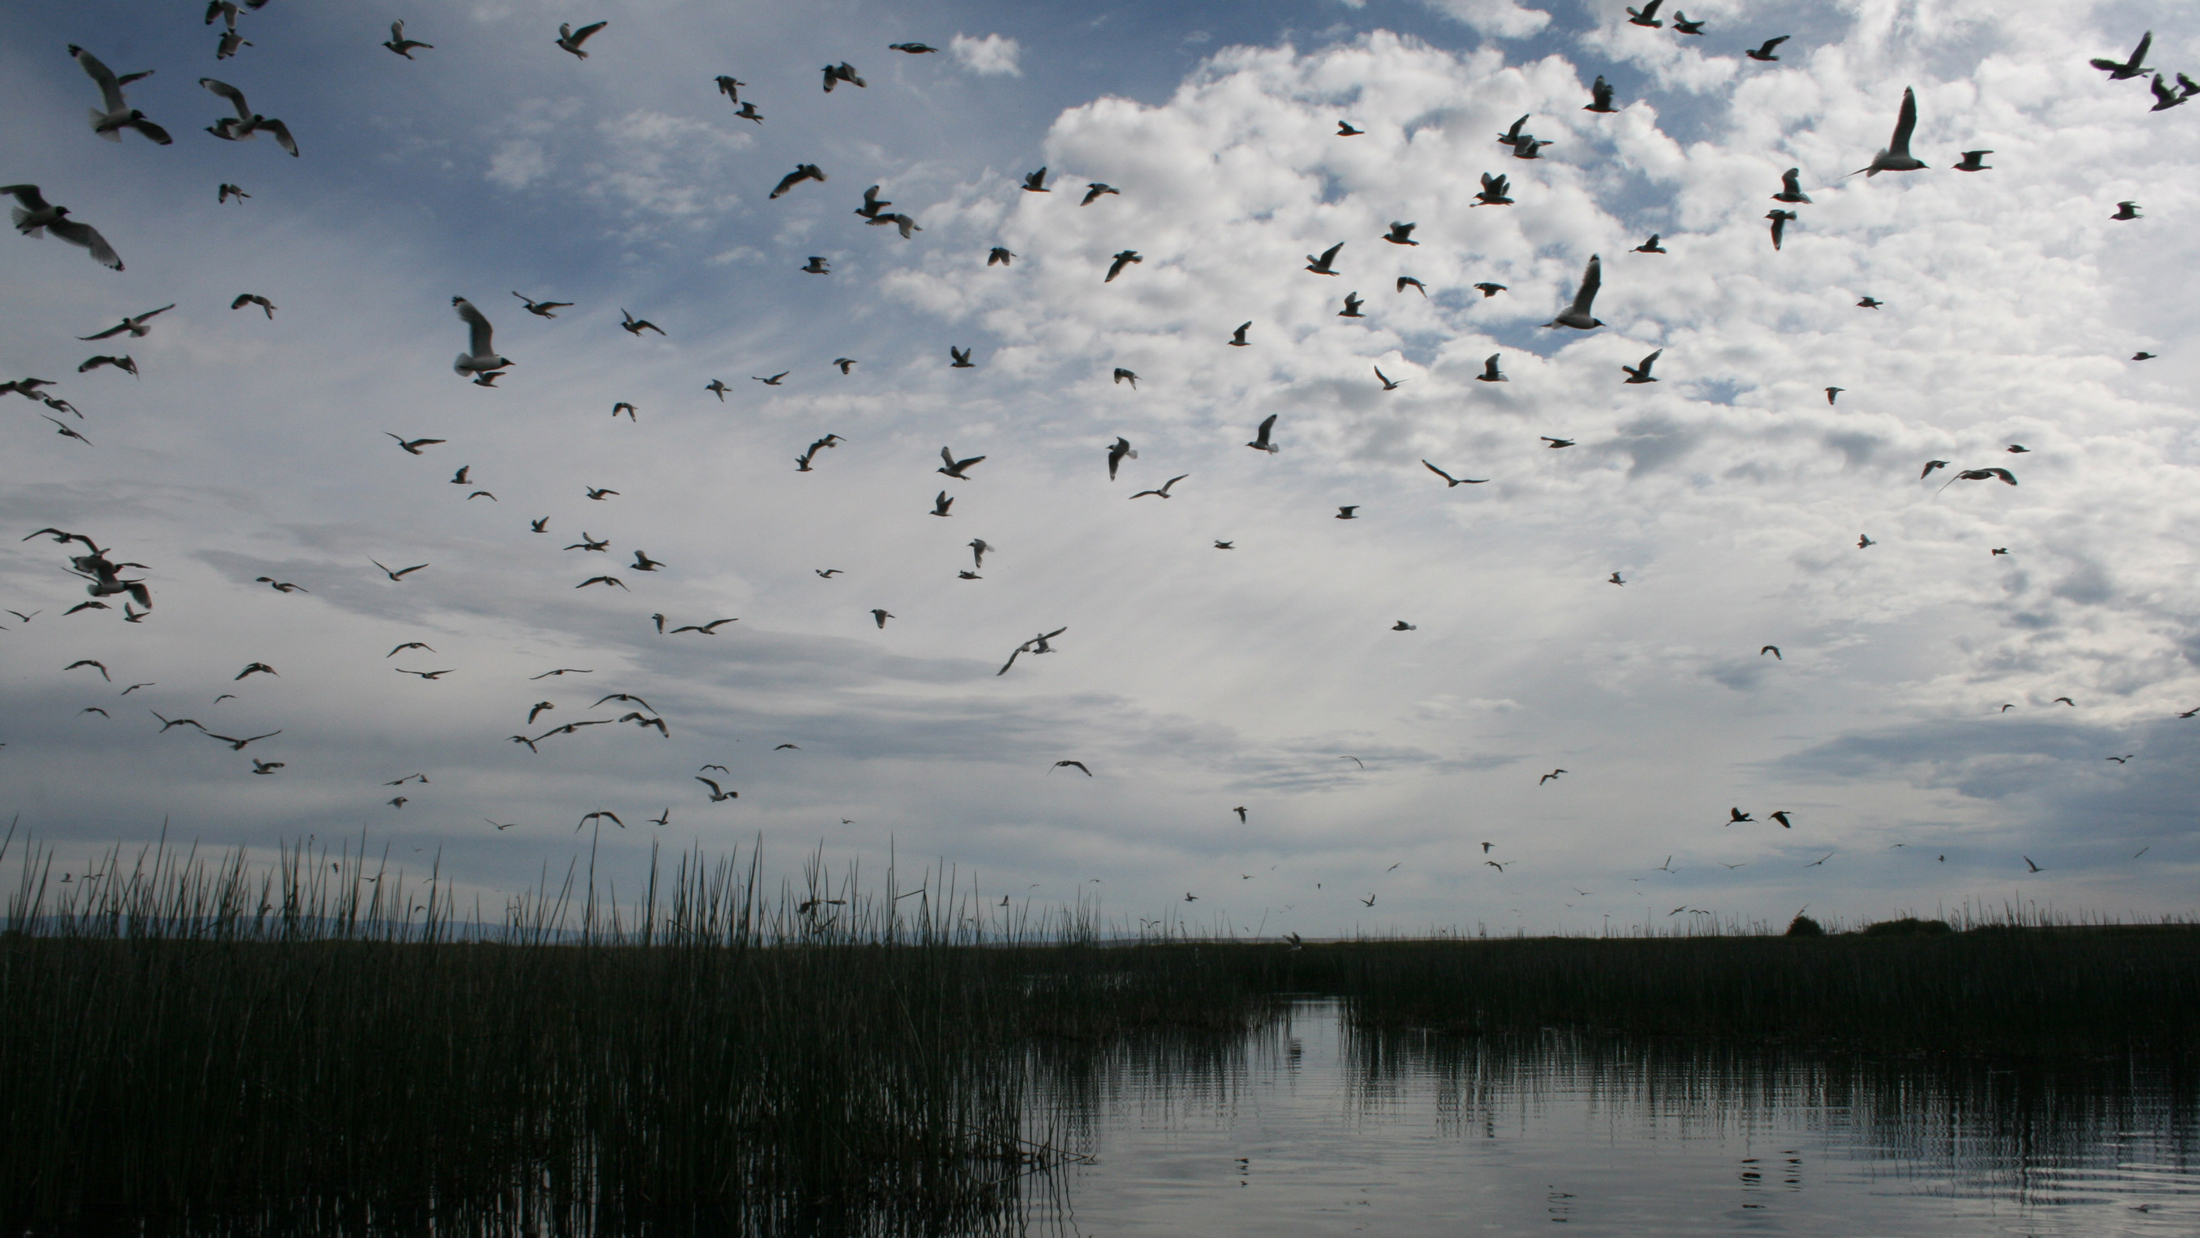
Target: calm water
(1311,1128)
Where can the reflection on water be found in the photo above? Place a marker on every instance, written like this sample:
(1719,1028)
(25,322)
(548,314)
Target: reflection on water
(1313,1127)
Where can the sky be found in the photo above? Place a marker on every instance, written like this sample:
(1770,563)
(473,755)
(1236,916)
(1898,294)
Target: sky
(1908,724)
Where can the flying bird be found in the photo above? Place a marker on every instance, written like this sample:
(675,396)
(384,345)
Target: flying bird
(1555,443)
(707,629)
(571,40)
(941,503)
(1164,490)
(802,172)
(635,326)
(280,586)
(397,575)
(1401,234)
(1122,260)
(1346,512)
(1577,315)
(1490,372)
(1650,246)
(2030,865)
(542,309)
(842,72)
(1548,777)
(882,615)
(1494,192)
(1870,303)
(717,794)
(235,744)
(1897,158)
(2006,477)
(2167,96)
(1352,305)
(1095,190)
(1345,130)
(1122,376)
(1403,626)
(1600,96)
(999,256)
(1449,480)
(1489,290)
(1036,182)
(247,124)
(1406,281)
(954,468)
(1971,162)
(1088,773)
(1780,220)
(1117,453)
(2124,210)
(36,217)
(959,358)
(1765,52)
(413,446)
(401,45)
(598,493)
(1863,540)
(101,667)
(1389,384)
(1237,337)
(1681,24)
(1782,817)
(914,49)
(1035,646)
(1774,650)
(1646,16)
(480,360)
(1640,372)
(114,113)
(2134,67)
(1260,441)
(423,674)
(253,298)
(126,364)
(1321,265)
(138,325)
(978,548)
(1614,579)
(1831,392)
(1791,187)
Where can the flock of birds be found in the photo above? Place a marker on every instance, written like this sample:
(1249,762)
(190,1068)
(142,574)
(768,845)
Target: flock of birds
(109,581)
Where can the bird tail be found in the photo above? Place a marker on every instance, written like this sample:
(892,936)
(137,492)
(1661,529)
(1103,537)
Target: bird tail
(112,135)
(19,215)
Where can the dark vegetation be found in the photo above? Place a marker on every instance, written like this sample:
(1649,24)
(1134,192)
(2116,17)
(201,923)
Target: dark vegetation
(314,1048)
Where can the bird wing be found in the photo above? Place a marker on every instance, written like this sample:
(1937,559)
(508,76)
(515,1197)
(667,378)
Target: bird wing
(2139,53)
(231,93)
(86,235)
(579,37)
(1267,424)
(1591,279)
(1331,253)
(110,90)
(481,343)
(1439,472)
(1904,122)
(715,789)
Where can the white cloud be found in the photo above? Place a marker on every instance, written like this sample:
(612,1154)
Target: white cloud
(993,55)
(1505,19)
(1191,679)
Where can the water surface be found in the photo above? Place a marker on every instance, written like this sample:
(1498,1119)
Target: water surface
(1310,1127)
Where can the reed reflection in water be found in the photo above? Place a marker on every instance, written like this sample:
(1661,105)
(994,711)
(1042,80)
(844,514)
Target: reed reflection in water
(1318,1127)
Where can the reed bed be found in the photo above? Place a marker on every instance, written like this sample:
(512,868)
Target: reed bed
(1992,988)
(318,1045)
(315,1046)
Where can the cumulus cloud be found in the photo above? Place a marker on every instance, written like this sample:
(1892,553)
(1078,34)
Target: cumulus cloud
(993,55)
